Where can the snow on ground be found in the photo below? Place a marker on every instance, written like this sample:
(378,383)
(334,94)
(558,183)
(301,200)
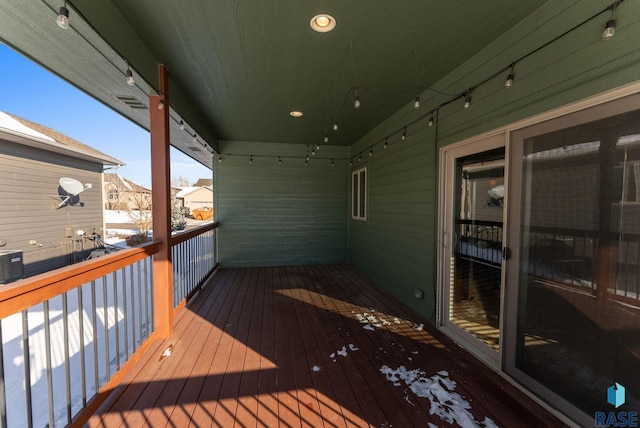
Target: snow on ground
(439,389)
(111,216)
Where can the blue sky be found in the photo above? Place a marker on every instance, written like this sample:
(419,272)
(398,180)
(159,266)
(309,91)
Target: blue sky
(33,93)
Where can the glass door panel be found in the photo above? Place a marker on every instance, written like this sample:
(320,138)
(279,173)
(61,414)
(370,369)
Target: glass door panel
(577,313)
(473,256)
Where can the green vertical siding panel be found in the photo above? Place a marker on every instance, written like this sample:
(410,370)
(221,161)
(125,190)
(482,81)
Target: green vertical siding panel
(288,214)
(396,247)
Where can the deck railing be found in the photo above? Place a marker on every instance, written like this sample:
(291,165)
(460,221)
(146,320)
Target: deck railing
(68,334)
(194,258)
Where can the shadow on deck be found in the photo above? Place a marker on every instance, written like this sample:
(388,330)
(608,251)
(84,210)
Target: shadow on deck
(310,346)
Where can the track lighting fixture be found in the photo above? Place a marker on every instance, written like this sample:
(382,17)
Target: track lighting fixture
(404,133)
(130,80)
(181,125)
(431,120)
(416,103)
(63,17)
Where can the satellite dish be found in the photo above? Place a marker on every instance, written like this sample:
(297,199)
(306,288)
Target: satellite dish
(72,186)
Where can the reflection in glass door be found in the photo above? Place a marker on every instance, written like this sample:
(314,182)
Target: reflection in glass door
(578,294)
(474,256)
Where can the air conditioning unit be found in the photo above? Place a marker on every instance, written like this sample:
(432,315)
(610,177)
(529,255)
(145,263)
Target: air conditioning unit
(11,266)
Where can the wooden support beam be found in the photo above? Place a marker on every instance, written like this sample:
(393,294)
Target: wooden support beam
(161,206)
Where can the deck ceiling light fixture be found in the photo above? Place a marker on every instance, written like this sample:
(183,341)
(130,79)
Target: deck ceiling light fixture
(323,23)
(467,99)
(509,82)
(609,30)
(63,17)
(295,113)
(130,80)
(610,27)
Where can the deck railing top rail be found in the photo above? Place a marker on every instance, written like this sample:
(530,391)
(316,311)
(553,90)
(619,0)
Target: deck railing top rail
(23,294)
(192,233)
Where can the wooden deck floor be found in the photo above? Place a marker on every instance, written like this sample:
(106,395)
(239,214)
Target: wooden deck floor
(315,346)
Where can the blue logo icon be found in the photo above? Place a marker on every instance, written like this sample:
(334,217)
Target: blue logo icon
(615,395)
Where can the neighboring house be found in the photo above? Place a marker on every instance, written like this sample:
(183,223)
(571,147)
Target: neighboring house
(194,197)
(202,182)
(37,215)
(123,194)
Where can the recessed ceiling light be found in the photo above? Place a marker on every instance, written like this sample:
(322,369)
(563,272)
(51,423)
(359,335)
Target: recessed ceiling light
(323,23)
(295,113)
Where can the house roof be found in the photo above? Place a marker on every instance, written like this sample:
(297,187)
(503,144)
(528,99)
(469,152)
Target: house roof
(203,182)
(124,183)
(184,191)
(30,133)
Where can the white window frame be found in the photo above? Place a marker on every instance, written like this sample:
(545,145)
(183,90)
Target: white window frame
(358,205)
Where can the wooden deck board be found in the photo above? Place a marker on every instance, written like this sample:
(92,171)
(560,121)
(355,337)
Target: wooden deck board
(258,348)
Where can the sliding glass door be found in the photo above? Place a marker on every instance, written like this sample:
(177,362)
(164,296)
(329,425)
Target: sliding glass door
(574,330)
(540,256)
(472,265)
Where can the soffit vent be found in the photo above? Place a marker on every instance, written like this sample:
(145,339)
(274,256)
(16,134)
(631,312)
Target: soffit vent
(132,102)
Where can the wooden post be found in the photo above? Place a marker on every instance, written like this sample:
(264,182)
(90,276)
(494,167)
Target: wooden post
(160,207)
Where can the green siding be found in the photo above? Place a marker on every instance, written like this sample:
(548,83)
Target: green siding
(396,247)
(287,214)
